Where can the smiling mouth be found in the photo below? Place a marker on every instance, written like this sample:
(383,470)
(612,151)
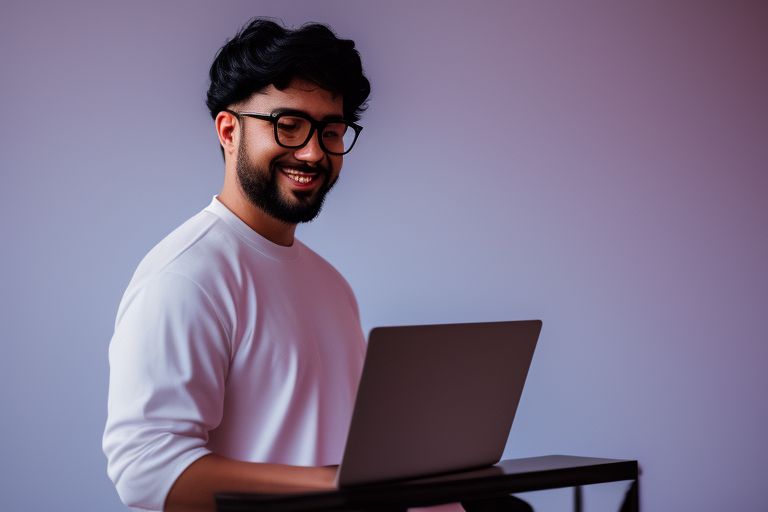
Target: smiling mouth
(300,177)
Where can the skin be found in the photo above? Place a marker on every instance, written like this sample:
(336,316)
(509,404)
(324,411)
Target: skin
(195,488)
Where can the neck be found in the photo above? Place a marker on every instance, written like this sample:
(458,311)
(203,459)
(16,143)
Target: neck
(275,231)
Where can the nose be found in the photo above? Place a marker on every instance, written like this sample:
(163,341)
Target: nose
(311,152)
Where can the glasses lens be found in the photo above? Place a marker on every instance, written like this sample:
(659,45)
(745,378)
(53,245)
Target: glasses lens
(338,137)
(292,131)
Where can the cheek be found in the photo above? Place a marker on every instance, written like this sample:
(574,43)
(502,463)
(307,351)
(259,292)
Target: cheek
(264,155)
(262,147)
(336,163)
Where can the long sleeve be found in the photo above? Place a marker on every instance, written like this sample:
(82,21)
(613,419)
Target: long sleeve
(169,358)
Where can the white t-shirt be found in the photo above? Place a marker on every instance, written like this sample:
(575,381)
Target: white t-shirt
(228,343)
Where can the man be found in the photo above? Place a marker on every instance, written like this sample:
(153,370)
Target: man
(236,351)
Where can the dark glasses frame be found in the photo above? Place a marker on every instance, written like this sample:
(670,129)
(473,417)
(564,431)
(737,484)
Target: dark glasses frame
(320,126)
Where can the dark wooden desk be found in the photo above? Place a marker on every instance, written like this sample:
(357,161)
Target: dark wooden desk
(506,477)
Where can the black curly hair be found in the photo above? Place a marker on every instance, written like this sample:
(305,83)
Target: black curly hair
(264,52)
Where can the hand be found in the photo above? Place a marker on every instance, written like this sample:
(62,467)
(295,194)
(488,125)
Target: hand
(196,486)
(326,477)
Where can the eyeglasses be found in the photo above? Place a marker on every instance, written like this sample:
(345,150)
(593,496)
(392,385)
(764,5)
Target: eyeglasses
(293,130)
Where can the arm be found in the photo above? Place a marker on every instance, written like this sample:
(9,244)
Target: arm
(169,358)
(193,491)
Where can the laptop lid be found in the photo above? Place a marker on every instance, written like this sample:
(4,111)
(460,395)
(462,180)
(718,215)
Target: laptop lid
(436,398)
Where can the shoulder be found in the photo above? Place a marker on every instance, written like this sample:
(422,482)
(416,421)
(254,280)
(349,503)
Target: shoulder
(318,263)
(183,269)
(203,249)
(324,272)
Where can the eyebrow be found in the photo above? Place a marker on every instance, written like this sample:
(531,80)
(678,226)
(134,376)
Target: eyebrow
(329,117)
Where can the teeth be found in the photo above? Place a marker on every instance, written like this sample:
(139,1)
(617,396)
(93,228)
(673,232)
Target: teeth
(299,177)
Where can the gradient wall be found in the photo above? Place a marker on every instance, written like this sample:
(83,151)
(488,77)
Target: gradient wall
(599,165)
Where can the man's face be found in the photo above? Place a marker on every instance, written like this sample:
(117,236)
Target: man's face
(288,184)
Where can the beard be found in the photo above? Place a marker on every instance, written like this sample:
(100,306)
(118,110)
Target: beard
(260,186)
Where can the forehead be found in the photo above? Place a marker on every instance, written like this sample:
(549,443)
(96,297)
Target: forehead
(299,95)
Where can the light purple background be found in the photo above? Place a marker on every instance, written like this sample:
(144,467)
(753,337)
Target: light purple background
(599,165)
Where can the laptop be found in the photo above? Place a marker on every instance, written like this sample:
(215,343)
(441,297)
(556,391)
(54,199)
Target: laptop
(436,399)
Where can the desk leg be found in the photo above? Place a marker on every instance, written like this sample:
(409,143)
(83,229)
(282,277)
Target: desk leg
(632,498)
(577,500)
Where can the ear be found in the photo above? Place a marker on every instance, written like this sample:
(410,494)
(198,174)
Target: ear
(226,129)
